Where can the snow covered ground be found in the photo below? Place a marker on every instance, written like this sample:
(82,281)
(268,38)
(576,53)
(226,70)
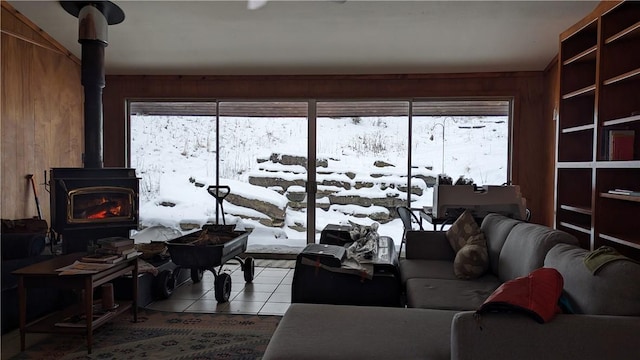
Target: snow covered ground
(172,154)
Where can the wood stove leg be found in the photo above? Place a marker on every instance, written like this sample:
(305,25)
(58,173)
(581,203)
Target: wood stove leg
(134,303)
(88,310)
(22,304)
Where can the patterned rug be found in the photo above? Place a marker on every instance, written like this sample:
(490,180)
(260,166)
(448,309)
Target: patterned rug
(165,335)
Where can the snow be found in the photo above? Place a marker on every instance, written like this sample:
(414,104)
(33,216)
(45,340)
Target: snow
(173,155)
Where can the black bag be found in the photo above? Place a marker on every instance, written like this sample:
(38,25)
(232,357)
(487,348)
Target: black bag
(25,226)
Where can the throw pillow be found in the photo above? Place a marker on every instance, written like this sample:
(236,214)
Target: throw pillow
(473,259)
(536,294)
(462,230)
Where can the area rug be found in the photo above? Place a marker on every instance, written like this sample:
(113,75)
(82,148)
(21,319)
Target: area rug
(275,263)
(165,335)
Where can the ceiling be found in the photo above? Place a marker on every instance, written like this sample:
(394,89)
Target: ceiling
(322,36)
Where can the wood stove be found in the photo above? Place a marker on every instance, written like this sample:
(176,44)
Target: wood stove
(93,202)
(88,204)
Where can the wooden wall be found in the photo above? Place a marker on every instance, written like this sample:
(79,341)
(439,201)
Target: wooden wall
(41,116)
(533,139)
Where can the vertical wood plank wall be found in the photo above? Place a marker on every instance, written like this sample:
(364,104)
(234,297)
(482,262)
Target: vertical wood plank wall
(41,115)
(533,139)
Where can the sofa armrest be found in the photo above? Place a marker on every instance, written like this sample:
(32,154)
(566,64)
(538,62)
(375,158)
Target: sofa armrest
(428,245)
(517,336)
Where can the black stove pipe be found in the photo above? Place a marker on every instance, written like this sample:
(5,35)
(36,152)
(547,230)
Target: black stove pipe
(93,83)
(93,16)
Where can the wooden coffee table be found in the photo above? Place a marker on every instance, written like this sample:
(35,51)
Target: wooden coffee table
(44,274)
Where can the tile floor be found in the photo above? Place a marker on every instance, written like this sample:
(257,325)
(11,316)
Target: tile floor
(268,294)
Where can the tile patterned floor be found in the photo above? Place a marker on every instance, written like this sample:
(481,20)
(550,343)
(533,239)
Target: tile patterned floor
(268,294)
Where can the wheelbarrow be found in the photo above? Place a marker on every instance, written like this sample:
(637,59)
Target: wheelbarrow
(212,247)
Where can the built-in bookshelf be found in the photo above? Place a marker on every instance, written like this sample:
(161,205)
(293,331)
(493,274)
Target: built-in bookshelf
(598,129)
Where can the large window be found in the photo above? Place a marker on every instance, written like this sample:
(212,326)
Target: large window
(369,157)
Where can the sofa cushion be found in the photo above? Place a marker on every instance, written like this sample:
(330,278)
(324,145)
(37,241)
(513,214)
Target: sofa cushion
(536,295)
(515,336)
(432,269)
(316,331)
(613,290)
(526,247)
(472,260)
(450,294)
(496,228)
(462,230)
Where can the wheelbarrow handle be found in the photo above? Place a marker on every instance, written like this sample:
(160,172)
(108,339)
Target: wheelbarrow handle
(219,191)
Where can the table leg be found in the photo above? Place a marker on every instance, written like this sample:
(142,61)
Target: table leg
(22,305)
(134,286)
(88,310)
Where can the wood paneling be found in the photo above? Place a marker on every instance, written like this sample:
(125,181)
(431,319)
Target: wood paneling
(533,140)
(41,116)
(364,108)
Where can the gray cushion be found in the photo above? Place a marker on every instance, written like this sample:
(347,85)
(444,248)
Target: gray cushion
(313,331)
(450,294)
(496,228)
(433,269)
(614,290)
(526,247)
(498,336)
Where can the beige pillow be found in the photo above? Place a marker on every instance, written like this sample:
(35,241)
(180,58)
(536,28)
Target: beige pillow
(473,259)
(462,230)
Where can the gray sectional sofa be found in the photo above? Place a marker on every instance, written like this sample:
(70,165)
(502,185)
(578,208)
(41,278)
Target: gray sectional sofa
(440,321)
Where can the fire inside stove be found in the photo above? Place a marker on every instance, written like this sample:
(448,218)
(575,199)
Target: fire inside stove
(100,204)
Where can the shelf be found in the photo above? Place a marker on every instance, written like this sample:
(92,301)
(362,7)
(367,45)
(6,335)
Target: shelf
(630,32)
(589,90)
(578,128)
(628,76)
(624,120)
(577,209)
(47,324)
(622,241)
(599,87)
(576,228)
(622,164)
(575,164)
(621,197)
(587,55)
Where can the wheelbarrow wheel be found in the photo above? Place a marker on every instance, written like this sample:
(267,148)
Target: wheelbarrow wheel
(196,275)
(222,287)
(249,269)
(165,283)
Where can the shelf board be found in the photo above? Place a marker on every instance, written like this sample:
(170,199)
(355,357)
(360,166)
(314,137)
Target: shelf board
(47,324)
(587,55)
(588,90)
(624,120)
(575,227)
(577,209)
(578,128)
(620,240)
(631,31)
(621,197)
(628,76)
(615,164)
(574,164)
